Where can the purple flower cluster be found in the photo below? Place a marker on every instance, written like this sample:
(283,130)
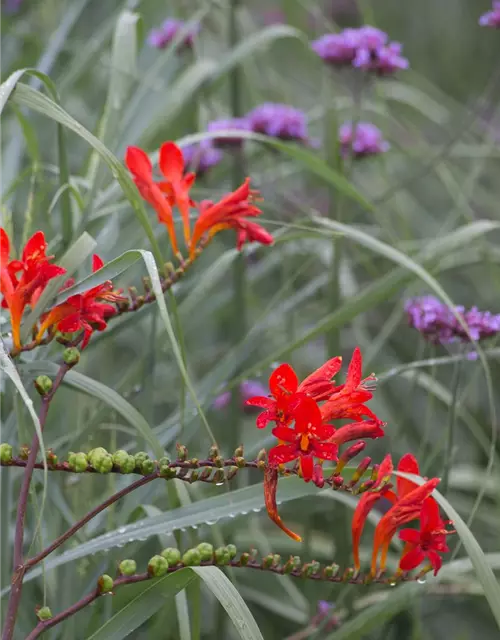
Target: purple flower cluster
(367,139)
(437,323)
(161,37)
(248,389)
(201,157)
(491,18)
(279,121)
(239,124)
(365,48)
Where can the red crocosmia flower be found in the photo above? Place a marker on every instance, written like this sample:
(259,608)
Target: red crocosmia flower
(307,440)
(177,185)
(347,400)
(162,196)
(270,487)
(407,503)
(231,212)
(284,383)
(22,281)
(83,311)
(426,543)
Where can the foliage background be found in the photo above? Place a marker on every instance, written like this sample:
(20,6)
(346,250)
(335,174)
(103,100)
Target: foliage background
(426,198)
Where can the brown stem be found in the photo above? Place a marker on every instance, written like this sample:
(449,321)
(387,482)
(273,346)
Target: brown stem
(83,521)
(251,564)
(19,569)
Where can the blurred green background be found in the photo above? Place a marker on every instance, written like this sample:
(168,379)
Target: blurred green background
(423,203)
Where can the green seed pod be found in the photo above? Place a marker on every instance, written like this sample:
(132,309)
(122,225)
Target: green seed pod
(24,452)
(231,472)
(129,465)
(71,356)
(44,613)
(244,558)
(218,476)
(238,452)
(331,570)
(193,477)
(5,453)
(157,566)
(191,558)
(43,385)
(240,462)
(206,551)
(262,455)
(276,559)
(292,564)
(182,452)
(219,462)
(105,583)
(194,462)
(139,458)
(127,567)
(213,452)
(169,472)
(80,462)
(120,457)
(267,561)
(163,465)
(148,467)
(98,452)
(231,549)
(172,556)
(51,458)
(348,574)
(71,459)
(103,463)
(222,556)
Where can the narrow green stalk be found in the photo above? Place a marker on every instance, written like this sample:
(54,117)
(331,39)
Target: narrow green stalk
(239,316)
(450,432)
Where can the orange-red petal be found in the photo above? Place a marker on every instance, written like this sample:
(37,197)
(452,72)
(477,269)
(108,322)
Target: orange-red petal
(270,488)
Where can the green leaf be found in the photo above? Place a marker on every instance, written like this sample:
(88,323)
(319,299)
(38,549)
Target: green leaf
(98,390)
(152,596)
(27,97)
(227,594)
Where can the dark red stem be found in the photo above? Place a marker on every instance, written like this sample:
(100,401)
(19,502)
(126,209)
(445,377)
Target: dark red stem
(19,569)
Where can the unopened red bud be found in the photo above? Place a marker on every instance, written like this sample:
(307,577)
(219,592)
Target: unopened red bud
(182,452)
(105,584)
(43,385)
(337,482)
(360,471)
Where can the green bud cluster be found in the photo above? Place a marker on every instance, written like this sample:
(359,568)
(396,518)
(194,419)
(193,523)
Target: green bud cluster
(127,567)
(71,356)
(172,556)
(206,551)
(100,460)
(191,558)
(157,566)
(124,461)
(5,453)
(78,462)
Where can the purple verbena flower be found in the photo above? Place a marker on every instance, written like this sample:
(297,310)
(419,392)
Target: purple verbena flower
(12,6)
(366,141)
(201,157)
(241,124)
(491,18)
(279,121)
(161,37)
(437,323)
(248,389)
(364,48)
